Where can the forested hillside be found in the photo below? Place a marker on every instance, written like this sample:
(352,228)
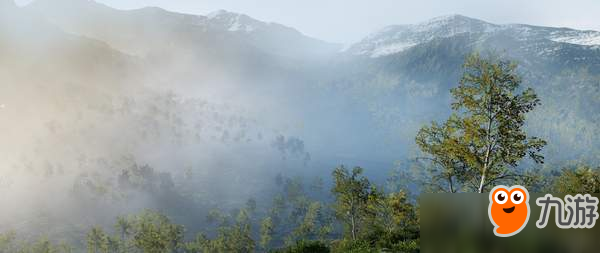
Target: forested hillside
(154,131)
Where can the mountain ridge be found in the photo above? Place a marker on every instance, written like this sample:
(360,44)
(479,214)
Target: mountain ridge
(120,28)
(407,81)
(389,40)
(394,39)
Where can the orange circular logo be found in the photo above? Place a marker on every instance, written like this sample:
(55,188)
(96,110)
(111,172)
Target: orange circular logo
(509,209)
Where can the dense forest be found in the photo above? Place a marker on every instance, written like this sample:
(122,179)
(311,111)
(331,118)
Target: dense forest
(483,143)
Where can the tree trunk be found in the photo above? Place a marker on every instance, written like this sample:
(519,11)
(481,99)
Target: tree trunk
(485,168)
(482,180)
(353,228)
(488,150)
(352,219)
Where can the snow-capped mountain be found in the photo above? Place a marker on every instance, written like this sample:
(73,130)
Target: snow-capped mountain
(233,22)
(397,38)
(148,30)
(399,77)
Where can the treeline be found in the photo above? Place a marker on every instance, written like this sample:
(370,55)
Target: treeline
(360,218)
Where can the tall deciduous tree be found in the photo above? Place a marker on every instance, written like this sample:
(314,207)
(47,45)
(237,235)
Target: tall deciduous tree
(352,192)
(483,141)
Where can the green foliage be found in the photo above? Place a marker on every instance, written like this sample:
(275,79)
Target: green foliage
(353,192)
(353,246)
(97,241)
(305,247)
(582,180)
(406,246)
(230,238)
(266,232)
(374,221)
(9,243)
(569,116)
(154,233)
(383,222)
(125,229)
(483,141)
(314,224)
(296,216)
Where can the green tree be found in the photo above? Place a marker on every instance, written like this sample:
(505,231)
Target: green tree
(154,233)
(352,192)
(124,228)
(583,179)
(309,226)
(200,244)
(230,238)
(266,232)
(483,141)
(241,239)
(277,209)
(97,241)
(64,247)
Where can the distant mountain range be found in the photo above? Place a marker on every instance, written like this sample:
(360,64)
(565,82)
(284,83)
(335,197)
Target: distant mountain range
(384,87)
(397,38)
(146,30)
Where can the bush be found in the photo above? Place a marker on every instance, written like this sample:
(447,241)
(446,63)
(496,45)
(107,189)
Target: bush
(350,246)
(305,247)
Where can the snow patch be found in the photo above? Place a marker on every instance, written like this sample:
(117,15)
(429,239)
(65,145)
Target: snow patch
(233,22)
(236,25)
(391,49)
(585,39)
(216,14)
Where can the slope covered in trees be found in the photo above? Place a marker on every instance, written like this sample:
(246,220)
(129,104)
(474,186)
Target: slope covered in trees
(482,144)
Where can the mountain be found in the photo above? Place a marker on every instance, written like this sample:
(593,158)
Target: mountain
(405,72)
(397,38)
(150,30)
(30,44)
(396,79)
(220,103)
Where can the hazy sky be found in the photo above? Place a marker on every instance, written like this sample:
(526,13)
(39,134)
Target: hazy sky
(349,20)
